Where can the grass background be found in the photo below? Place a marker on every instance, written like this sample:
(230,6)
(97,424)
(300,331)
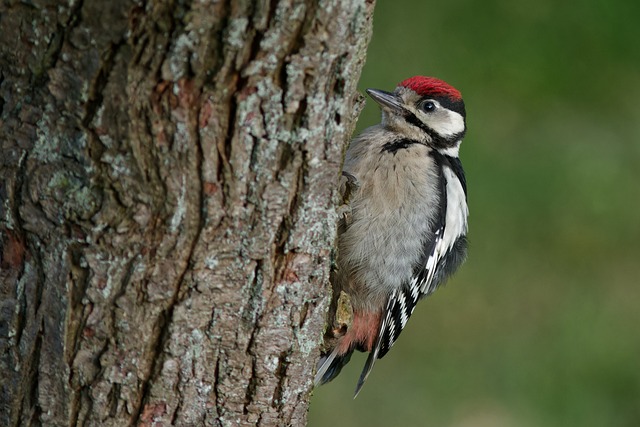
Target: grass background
(541,326)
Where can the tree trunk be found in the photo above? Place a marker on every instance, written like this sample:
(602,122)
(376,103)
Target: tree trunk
(168,175)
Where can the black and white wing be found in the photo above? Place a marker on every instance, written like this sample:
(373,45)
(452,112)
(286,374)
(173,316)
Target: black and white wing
(443,253)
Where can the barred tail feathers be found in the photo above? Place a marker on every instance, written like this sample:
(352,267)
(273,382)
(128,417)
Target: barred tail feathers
(399,308)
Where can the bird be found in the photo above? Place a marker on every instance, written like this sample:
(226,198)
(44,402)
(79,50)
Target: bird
(406,230)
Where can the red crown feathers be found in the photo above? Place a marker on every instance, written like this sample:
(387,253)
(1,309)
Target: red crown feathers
(425,86)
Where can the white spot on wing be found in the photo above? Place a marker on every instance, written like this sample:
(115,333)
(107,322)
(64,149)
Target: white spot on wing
(415,289)
(457,209)
(392,329)
(403,310)
(432,262)
(455,225)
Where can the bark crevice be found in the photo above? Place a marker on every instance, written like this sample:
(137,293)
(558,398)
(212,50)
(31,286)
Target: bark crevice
(168,180)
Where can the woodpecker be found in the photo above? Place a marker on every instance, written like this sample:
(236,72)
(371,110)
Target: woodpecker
(406,232)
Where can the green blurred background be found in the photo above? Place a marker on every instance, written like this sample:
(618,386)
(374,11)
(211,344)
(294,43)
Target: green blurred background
(541,326)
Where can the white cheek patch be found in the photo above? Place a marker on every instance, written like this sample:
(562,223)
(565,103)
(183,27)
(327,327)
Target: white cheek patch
(448,123)
(443,121)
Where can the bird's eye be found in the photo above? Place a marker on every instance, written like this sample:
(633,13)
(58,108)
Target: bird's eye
(428,106)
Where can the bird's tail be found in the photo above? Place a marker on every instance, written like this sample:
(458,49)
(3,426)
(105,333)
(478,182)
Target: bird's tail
(374,355)
(330,365)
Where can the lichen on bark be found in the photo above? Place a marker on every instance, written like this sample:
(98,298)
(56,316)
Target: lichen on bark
(169,178)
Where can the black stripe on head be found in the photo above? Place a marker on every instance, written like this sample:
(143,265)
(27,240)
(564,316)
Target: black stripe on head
(456,105)
(437,139)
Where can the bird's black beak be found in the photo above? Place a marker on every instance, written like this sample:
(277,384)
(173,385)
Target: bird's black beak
(386,100)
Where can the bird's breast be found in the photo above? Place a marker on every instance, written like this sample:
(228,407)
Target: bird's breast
(392,219)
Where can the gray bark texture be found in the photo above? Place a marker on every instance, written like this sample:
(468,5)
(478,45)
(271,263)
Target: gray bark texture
(168,181)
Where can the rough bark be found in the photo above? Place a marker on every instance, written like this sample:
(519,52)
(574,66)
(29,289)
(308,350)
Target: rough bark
(168,181)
